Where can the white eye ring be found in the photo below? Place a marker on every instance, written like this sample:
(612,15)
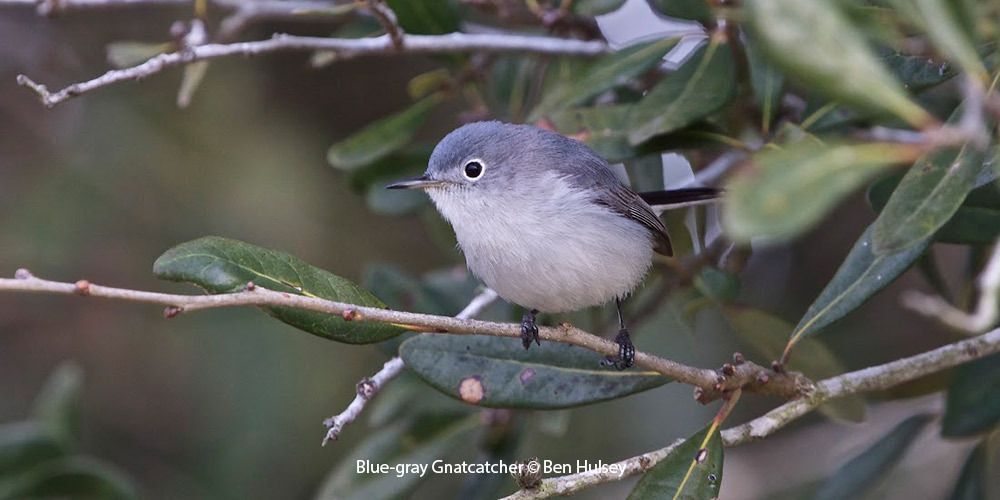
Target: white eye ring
(473,169)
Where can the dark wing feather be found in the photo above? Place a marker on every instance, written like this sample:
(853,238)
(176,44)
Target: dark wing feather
(623,200)
(680,197)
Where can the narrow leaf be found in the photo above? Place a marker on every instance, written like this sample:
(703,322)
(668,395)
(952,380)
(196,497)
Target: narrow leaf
(596,7)
(702,85)
(24,445)
(380,138)
(766,334)
(976,222)
(788,191)
(861,275)
(973,406)
(76,477)
(927,197)
(692,470)
(767,84)
(971,483)
(221,265)
(694,10)
(865,470)
(498,372)
(125,54)
(917,72)
(610,71)
(194,73)
(815,43)
(942,21)
(426,17)
(56,407)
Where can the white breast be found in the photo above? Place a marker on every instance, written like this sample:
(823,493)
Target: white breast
(554,251)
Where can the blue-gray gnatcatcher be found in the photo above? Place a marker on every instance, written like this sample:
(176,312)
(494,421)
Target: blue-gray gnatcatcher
(544,221)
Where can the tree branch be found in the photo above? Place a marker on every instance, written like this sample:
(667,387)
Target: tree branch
(987,310)
(869,379)
(343,48)
(710,384)
(370,386)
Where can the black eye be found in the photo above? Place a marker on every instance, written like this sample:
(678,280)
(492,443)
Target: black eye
(473,169)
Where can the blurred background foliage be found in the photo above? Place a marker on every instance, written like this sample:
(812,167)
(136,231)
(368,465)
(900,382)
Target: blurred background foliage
(228,404)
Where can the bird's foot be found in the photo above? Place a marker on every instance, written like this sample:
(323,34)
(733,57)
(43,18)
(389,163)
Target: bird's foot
(626,352)
(529,330)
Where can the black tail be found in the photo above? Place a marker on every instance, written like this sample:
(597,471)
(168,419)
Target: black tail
(685,196)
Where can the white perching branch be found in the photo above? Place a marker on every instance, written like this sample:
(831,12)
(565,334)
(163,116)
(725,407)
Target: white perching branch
(343,48)
(370,386)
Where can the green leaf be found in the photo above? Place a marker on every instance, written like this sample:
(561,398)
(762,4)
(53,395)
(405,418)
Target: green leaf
(971,483)
(717,284)
(382,137)
(976,222)
(194,73)
(426,17)
(498,372)
(596,7)
(702,85)
(24,445)
(788,191)
(866,469)
(77,477)
(695,10)
(56,407)
(944,24)
(973,406)
(418,441)
(767,82)
(861,275)
(610,71)
(125,54)
(917,72)
(794,34)
(927,197)
(409,160)
(766,334)
(680,475)
(221,265)
(605,130)
(428,82)
(395,202)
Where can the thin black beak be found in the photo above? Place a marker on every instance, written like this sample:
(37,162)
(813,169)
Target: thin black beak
(421,182)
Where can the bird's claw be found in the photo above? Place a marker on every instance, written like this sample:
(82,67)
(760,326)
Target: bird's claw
(626,352)
(529,330)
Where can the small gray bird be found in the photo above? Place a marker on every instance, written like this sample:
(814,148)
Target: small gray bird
(544,221)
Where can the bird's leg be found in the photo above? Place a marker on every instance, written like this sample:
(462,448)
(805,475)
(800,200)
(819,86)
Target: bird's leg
(626,351)
(529,330)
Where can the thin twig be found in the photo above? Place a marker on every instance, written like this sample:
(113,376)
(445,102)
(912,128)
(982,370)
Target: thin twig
(370,386)
(987,310)
(344,48)
(869,379)
(709,384)
(387,18)
(367,389)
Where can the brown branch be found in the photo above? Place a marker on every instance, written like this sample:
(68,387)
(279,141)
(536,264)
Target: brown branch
(869,379)
(387,18)
(710,384)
